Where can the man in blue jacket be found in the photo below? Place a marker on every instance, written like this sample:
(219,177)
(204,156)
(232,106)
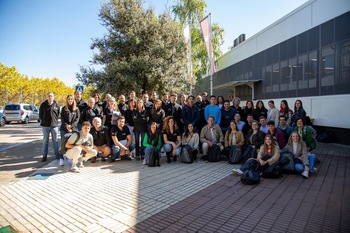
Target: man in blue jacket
(190,113)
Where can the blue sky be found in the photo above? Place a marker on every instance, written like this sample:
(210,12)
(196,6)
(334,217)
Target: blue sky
(51,38)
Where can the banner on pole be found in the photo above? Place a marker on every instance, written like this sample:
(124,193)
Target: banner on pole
(206,31)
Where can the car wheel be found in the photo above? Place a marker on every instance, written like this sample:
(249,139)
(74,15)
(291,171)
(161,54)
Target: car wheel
(26,120)
(2,121)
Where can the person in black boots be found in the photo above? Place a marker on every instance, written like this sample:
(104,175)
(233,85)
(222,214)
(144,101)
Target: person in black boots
(172,139)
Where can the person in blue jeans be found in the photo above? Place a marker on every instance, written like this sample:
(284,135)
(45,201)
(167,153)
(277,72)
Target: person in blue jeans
(153,138)
(172,139)
(49,112)
(304,162)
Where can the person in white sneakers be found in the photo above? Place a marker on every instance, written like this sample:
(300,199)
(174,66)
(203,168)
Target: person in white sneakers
(82,149)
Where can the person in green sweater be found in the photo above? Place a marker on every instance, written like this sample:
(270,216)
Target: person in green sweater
(306,134)
(153,138)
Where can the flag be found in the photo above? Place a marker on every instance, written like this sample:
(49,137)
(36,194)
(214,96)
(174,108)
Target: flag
(206,31)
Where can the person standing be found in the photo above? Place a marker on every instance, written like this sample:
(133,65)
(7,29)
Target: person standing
(273,113)
(81,104)
(213,110)
(49,112)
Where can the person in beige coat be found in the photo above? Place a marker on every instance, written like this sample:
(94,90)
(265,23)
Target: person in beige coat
(233,136)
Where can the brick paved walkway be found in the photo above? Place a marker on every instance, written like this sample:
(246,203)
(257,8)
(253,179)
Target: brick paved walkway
(200,197)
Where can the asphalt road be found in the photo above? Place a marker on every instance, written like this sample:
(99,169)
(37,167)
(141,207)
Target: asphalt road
(20,151)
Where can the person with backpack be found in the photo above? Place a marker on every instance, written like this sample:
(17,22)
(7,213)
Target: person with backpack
(303,161)
(306,134)
(233,138)
(211,135)
(152,138)
(268,155)
(80,147)
(190,141)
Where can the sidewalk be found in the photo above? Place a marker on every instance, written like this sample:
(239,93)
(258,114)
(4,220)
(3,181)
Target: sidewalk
(201,197)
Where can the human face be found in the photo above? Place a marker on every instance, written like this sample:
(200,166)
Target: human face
(85,129)
(210,121)
(250,119)
(190,100)
(227,106)
(282,121)
(249,104)
(295,137)
(283,105)
(165,98)
(212,101)
(237,117)
(255,125)
(122,99)
(173,98)
(97,98)
(108,97)
(233,126)
(297,104)
(121,123)
(132,95)
(199,99)
(204,97)
(262,121)
(260,105)
(70,100)
(271,128)
(97,123)
(50,97)
(268,141)
(154,95)
(145,98)
(236,102)
(140,103)
(154,127)
(190,128)
(171,122)
(91,102)
(300,123)
(111,102)
(78,95)
(271,105)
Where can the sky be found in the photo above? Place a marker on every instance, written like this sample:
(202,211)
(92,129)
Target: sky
(52,38)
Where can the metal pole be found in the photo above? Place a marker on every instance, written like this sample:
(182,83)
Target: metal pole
(210,57)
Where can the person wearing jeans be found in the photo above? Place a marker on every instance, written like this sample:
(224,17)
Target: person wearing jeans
(49,112)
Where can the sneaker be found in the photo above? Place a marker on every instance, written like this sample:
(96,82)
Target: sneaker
(144,162)
(305,174)
(93,160)
(125,157)
(61,162)
(314,170)
(103,159)
(44,159)
(237,171)
(75,169)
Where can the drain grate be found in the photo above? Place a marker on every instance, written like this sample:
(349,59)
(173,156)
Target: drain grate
(40,176)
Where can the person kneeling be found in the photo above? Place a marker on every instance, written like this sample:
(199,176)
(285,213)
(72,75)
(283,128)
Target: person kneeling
(152,139)
(82,149)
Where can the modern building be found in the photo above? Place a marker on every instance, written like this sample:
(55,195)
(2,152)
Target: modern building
(305,55)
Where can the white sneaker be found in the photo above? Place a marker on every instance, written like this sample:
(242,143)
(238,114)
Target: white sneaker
(314,170)
(237,171)
(144,162)
(61,162)
(75,169)
(80,162)
(305,174)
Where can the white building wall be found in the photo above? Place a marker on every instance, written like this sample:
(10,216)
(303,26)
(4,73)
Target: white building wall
(305,17)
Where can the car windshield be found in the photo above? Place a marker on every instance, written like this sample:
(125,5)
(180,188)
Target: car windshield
(12,107)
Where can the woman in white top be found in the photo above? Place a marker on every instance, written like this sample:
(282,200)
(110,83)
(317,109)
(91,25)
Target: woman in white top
(190,140)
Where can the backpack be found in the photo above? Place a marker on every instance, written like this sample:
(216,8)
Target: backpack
(152,157)
(213,153)
(186,155)
(248,153)
(250,177)
(64,140)
(288,166)
(235,155)
(313,131)
(272,172)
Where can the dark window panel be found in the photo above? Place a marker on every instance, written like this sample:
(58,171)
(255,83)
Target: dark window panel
(327,33)
(292,47)
(302,43)
(342,81)
(342,28)
(313,38)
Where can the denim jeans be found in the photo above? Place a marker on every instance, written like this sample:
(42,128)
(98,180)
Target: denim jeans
(299,167)
(116,150)
(46,137)
(148,151)
(62,133)
(169,148)
(137,141)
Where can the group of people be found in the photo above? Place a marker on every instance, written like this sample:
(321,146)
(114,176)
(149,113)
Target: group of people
(127,128)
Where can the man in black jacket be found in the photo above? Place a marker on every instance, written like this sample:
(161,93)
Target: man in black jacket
(49,112)
(102,139)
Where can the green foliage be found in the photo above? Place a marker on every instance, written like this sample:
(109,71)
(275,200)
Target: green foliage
(15,87)
(140,52)
(192,11)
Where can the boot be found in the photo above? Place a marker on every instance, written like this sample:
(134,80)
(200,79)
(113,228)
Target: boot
(44,159)
(175,158)
(168,157)
(157,162)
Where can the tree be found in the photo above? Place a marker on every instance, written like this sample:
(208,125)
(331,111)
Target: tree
(140,52)
(191,12)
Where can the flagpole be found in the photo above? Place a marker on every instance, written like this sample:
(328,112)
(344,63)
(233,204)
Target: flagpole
(190,57)
(210,57)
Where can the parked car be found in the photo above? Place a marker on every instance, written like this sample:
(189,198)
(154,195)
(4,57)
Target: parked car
(21,112)
(1,109)
(2,119)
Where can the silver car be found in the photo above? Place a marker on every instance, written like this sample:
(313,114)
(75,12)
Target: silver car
(21,112)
